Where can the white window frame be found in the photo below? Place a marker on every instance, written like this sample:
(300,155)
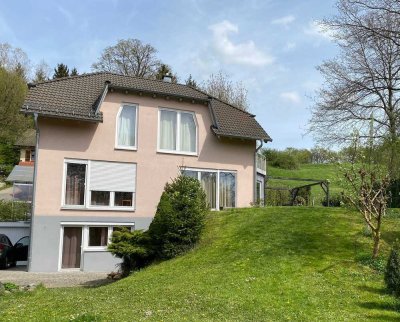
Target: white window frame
(126,147)
(88,193)
(199,170)
(85,248)
(64,183)
(178,132)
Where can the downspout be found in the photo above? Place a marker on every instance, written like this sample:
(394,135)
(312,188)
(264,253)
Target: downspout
(35,165)
(255,171)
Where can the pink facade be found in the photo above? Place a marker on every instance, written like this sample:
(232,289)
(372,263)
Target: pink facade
(61,139)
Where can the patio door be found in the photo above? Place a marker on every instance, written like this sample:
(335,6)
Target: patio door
(71,251)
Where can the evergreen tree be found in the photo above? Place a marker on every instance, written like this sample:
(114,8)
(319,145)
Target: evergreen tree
(164,70)
(191,82)
(61,71)
(74,72)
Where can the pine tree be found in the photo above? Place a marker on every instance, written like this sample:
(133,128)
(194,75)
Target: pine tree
(61,71)
(191,82)
(74,72)
(164,70)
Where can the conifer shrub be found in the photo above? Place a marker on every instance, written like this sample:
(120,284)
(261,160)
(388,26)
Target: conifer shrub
(179,218)
(175,229)
(392,274)
(133,247)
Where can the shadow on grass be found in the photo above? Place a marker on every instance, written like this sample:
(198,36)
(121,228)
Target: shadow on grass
(393,307)
(382,317)
(375,290)
(97,283)
(390,236)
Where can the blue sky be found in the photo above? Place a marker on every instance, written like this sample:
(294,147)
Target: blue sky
(272,46)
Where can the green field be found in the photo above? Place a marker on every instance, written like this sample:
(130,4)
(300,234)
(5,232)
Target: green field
(308,171)
(255,264)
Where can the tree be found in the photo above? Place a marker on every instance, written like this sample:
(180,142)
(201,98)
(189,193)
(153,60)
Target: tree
(366,189)
(14,60)
(12,94)
(191,82)
(61,71)
(362,85)
(74,72)
(221,87)
(42,72)
(129,57)
(165,70)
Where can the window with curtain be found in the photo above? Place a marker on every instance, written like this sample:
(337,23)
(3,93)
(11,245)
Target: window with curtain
(75,184)
(126,136)
(110,184)
(178,132)
(209,183)
(227,189)
(98,236)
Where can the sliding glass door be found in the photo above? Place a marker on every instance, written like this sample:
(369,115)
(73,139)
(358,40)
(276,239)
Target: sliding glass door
(219,186)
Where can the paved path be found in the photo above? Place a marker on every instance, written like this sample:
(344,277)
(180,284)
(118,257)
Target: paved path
(6,194)
(19,276)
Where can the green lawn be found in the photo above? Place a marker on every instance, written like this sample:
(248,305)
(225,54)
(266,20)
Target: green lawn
(308,171)
(260,264)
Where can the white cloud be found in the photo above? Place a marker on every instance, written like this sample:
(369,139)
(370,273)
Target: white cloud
(292,97)
(284,21)
(245,53)
(315,29)
(289,46)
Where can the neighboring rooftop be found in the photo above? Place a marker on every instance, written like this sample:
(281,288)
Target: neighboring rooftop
(27,139)
(21,174)
(80,96)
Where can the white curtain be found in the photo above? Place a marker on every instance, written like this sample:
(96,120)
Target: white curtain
(188,133)
(227,189)
(127,124)
(168,130)
(209,184)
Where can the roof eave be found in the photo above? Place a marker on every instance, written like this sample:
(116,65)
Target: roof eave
(265,139)
(66,116)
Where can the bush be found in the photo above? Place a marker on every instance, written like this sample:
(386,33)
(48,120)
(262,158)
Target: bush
(179,218)
(175,228)
(133,247)
(334,201)
(277,197)
(13,211)
(285,160)
(392,274)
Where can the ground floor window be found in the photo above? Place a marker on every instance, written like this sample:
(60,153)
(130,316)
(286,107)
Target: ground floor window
(219,186)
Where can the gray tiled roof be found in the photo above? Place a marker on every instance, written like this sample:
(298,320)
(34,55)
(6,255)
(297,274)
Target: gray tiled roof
(28,138)
(78,98)
(21,174)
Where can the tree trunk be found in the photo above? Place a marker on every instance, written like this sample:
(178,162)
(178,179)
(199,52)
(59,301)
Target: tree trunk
(377,239)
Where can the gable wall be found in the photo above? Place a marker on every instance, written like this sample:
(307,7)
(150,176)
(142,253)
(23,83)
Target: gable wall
(61,139)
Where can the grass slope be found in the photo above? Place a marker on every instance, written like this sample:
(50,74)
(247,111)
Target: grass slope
(252,265)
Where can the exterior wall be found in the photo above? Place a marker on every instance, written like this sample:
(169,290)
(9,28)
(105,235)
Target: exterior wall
(15,230)
(60,139)
(46,244)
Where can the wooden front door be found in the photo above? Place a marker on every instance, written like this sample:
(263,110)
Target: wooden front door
(71,252)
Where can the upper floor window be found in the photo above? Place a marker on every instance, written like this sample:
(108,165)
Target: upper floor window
(177,132)
(126,127)
(99,184)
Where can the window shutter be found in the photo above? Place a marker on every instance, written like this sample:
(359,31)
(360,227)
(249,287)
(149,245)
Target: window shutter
(112,176)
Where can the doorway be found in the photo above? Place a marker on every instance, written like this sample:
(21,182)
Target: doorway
(71,250)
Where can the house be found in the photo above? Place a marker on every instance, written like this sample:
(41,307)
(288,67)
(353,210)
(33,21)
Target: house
(22,174)
(108,143)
